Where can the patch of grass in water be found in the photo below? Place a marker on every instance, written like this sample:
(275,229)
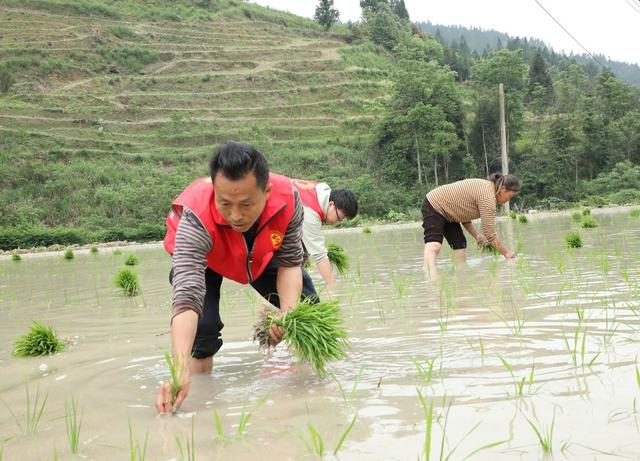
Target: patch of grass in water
(576,216)
(588,222)
(573,240)
(635,213)
(68,254)
(523,219)
(40,340)
(132,260)
(15,256)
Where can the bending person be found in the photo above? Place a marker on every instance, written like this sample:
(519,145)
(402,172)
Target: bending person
(241,223)
(448,206)
(323,205)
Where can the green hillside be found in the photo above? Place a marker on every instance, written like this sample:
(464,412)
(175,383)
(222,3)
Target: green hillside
(115,109)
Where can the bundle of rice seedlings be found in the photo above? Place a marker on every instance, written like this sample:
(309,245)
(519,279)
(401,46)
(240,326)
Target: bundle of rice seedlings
(588,222)
(132,260)
(337,257)
(523,219)
(489,249)
(513,215)
(573,240)
(40,340)
(128,281)
(68,254)
(576,216)
(93,249)
(586,211)
(15,256)
(313,332)
(366,230)
(635,213)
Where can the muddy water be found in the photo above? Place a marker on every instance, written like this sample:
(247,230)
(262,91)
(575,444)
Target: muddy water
(494,348)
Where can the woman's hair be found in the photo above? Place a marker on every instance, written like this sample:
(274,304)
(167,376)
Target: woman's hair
(509,181)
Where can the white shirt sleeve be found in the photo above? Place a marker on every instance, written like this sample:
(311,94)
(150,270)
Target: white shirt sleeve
(312,236)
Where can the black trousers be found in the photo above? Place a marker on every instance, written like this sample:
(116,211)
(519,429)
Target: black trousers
(208,338)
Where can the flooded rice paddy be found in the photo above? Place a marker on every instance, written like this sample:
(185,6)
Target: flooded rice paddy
(500,360)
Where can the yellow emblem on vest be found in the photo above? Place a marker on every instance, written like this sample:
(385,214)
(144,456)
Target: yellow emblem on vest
(276,239)
(303,184)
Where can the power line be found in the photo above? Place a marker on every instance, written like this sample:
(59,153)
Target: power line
(633,5)
(570,35)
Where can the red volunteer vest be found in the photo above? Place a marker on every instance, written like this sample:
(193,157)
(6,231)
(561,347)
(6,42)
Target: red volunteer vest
(229,255)
(308,195)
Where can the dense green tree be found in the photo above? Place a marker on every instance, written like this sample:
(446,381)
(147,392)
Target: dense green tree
(400,10)
(326,14)
(385,28)
(372,6)
(539,87)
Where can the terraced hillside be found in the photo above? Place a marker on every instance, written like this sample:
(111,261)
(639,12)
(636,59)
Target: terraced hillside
(109,117)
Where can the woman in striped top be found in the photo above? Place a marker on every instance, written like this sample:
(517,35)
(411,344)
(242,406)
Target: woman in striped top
(448,206)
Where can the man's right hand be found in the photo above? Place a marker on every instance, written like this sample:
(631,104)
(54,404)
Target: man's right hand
(509,254)
(164,405)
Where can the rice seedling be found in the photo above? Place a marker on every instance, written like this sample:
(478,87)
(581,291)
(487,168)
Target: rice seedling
(635,213)
(15,256)
(545,436)
(400,283)
(132,260)
(137,453)
(40,340)
(576,216)
(34,411)
(573,240)
(218,424)
(348,399)
(189,448)
(586,212)
(577,349)
(588,222)
(518,384)
(344,435)
(425,372)
(523,219)
(177,368)
(73,423)
(68,254)
(117,252)
(317,443)
(427,410)
(338,258)
(128,281)
(313,332)
(488,249)
(93,249)
(513,215)
(366,230)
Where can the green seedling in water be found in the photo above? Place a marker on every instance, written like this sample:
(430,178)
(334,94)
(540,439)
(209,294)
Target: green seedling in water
(317,444)
(93,249)
(578,349)
(523,219)
(313,332)
(137,453)
(73,423)
(218,424)
(635,213)
(427,410)
(366,230)
(586,212)
(344,435)
(545,436)
(40,340)
(426,373)
(338,258)
(117,252)
(68,254)
(34,412)
(176,370)
(132,260)
(576,216)
(588,222)
(127,280)
(190,446)
(15,256)
(573,240)
(348,398)
(518,384)
(513,215)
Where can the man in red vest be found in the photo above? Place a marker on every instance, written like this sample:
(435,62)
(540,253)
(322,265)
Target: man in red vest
(245,224)
(323,205)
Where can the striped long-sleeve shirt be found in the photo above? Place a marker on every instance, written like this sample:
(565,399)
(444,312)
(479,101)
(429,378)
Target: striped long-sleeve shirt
(193,243)
(466,200)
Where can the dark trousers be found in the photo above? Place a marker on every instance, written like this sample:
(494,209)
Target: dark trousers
(208,338)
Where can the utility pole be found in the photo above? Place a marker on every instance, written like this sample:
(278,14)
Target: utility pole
(503,141)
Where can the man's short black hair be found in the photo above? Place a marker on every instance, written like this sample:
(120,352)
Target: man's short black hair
(346,201)
(235,160)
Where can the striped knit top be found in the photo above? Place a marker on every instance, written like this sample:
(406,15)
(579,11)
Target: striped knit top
(466,200)
(193,243)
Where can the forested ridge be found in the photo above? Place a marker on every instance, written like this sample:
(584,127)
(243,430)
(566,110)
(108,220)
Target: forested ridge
(109,108)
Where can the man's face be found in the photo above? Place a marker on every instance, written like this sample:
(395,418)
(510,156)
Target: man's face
(240,202)
(334,215)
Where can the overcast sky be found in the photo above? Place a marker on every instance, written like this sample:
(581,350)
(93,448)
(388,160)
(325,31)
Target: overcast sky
(609,27)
